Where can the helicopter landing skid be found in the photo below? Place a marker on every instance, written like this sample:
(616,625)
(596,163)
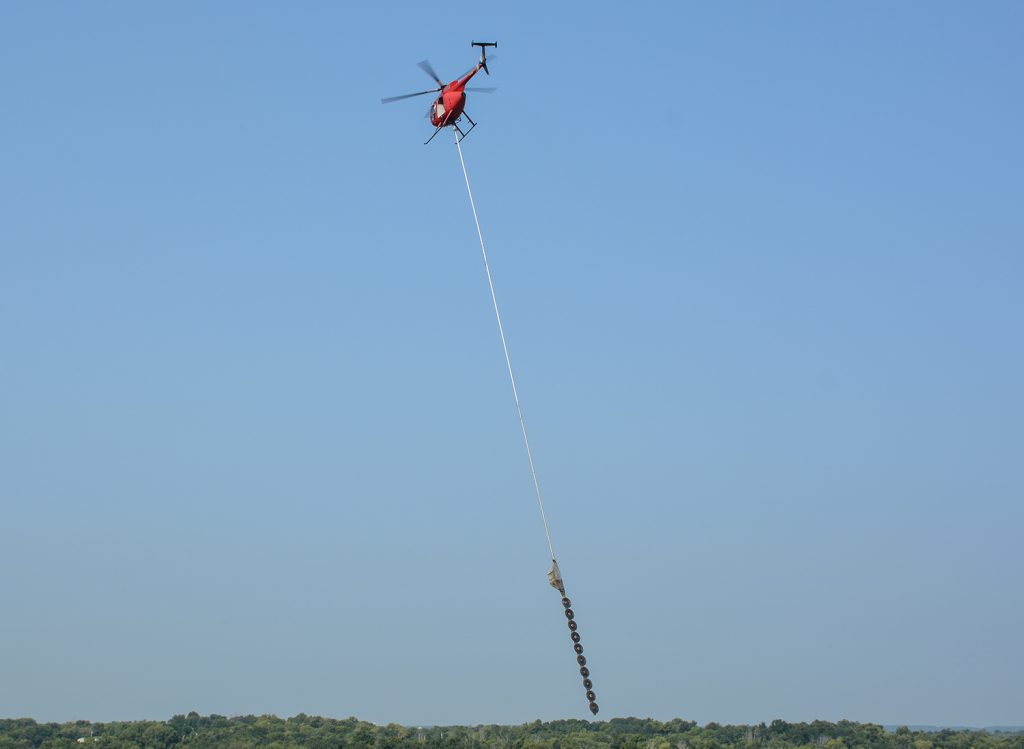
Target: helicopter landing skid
(454,125)
(432,136)
(471,126)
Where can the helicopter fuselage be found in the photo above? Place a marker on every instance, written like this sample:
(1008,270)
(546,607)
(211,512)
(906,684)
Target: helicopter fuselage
(447,108)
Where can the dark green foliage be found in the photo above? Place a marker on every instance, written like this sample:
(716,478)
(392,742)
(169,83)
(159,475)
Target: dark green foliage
(194,731)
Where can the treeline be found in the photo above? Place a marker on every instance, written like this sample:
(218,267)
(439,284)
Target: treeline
(194,731)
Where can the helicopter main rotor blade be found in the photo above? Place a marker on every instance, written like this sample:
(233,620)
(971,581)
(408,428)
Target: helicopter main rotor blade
(425,67)
(408,96)
(481,89)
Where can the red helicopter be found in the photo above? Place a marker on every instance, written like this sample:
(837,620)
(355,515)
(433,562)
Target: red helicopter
(450,106)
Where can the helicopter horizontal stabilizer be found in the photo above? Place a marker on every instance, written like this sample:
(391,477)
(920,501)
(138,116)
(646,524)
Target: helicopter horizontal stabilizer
(483,53)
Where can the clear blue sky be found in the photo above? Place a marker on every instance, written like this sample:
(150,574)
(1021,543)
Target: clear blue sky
(762,270)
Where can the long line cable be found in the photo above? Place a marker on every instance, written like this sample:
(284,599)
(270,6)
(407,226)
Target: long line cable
(554,576)
(504,347)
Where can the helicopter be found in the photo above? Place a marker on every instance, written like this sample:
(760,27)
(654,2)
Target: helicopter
(449,107)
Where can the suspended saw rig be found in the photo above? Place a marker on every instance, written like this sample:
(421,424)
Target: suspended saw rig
(450,106)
